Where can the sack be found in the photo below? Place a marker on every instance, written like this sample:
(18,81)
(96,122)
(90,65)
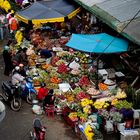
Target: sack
(14,24)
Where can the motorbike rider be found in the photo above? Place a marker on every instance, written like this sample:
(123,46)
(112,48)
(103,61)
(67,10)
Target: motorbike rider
(17,77)
(39,129)
(22,70)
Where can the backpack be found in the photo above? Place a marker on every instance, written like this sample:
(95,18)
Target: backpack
(14,24)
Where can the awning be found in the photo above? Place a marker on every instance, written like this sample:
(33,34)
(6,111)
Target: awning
(117,14)
(97,43)
(48,11)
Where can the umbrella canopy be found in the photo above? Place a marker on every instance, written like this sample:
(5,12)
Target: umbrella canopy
(48,11)
(97,43)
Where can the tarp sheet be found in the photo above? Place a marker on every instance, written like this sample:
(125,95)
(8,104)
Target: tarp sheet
(97,43)
(48,11)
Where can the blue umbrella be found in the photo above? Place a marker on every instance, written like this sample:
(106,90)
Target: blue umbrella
(97,43)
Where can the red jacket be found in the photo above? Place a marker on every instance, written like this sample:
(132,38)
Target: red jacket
(42,92)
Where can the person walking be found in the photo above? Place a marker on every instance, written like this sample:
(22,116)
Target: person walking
(7,59)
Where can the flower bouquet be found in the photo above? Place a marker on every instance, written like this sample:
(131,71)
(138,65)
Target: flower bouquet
(62,68)
(84,81)
(82,95)
(73,116)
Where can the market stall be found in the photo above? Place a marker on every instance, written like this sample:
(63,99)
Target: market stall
(48,11)
(70,73)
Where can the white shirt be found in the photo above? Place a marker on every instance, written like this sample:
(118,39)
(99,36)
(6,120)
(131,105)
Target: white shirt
(16,78)
(25,2)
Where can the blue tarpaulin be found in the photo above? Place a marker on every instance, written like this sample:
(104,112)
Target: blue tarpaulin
(97,43)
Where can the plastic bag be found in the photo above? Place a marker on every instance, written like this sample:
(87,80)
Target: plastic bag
(37,109)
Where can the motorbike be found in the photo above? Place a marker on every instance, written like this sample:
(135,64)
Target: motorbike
(38,132)
(28,92)
(10,94)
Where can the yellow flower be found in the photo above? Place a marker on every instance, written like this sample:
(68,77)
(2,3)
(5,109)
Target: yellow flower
(114,101)
(1,3)
(85,102)
(100,104)
(86,109)
(6,5)
(19,37)
(88,132)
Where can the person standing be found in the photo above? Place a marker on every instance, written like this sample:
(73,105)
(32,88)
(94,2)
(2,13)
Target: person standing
(13,24)
(7,59)
(2,24)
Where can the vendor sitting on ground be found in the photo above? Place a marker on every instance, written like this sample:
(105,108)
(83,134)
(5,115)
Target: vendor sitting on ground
(44,53)
(42,92)
(49,99)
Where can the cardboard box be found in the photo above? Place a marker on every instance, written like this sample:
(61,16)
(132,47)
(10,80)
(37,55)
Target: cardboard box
(103,73)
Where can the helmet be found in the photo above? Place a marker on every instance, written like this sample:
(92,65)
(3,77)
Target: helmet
(42,84)
(17,68)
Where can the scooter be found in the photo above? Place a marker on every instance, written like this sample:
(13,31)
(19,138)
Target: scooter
(28,92)
(10,94)
(38,132)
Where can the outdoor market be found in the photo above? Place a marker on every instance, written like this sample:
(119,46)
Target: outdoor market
(83,68)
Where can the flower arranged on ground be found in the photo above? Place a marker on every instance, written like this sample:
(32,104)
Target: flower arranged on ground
(102,86)
(73,116)
(104,113)
(100,104)
(77,90)
(93,91)
(85,102)
(59,62)
(54,60)
(123,104)
(82,95)
(62,68)
(87,109)
(88,132)
(120,94)
(82,116)
(84,81)
(55,80)
(116,116)
(114,101)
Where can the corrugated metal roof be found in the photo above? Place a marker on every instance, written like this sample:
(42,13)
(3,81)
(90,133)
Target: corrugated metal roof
(117,14)
(91,2)
(122,10)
